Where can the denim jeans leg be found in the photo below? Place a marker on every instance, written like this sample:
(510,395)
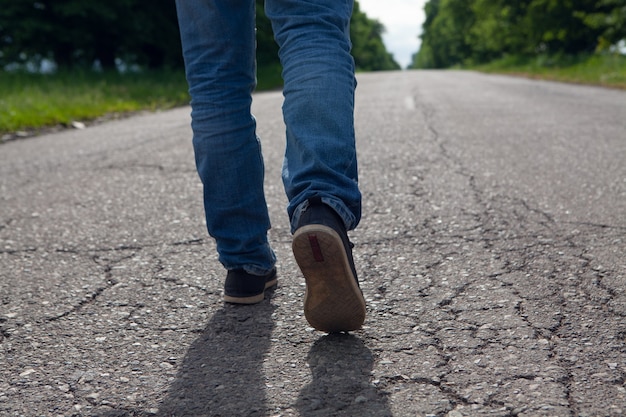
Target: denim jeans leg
(218,39)
(318,71)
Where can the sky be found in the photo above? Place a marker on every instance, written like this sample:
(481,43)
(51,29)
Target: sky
(403,23)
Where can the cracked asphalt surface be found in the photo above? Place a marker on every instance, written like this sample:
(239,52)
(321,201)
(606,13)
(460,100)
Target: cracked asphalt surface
(491,253)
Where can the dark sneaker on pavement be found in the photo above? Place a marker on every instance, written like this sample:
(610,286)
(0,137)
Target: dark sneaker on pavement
(333,301)
(244,288)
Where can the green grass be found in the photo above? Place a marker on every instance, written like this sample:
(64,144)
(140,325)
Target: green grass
(34,101)
(607,70)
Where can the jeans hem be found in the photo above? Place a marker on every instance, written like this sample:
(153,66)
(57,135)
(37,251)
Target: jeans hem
(349,221)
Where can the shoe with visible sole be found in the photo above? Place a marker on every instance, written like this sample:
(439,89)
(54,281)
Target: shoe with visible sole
(244,288)
(333,301)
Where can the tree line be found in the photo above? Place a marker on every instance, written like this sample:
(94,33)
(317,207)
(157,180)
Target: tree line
(83,33)
(458,32)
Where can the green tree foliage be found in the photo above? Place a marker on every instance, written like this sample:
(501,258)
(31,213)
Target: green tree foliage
(78,33)
(498,26)
(266,47)
(447,35)
(478,31)
(608,18)
(553,26)
(368,49)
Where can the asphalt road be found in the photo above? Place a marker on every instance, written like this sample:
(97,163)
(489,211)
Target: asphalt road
(491,254)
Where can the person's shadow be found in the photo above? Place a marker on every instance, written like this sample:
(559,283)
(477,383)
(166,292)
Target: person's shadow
(341,365)
(221,374)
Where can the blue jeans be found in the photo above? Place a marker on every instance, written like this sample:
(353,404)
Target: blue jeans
(218,38)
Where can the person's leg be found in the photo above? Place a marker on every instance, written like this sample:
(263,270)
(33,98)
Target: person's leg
(318,71)
(320,167)
(218,39)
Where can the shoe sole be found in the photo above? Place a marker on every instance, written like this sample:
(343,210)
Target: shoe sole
(333,301)
(253,299)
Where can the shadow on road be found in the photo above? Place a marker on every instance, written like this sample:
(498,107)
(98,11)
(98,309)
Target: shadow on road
(341,366)
(222,372)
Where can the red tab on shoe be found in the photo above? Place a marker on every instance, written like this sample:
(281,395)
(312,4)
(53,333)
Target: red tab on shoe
(315,248)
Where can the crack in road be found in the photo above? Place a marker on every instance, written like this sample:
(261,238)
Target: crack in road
(109,282)
(108,265)
(523,253)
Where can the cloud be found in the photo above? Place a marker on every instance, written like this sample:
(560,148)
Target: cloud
(403,23)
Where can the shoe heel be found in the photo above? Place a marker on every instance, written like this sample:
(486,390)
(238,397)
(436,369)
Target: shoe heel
(333,301)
